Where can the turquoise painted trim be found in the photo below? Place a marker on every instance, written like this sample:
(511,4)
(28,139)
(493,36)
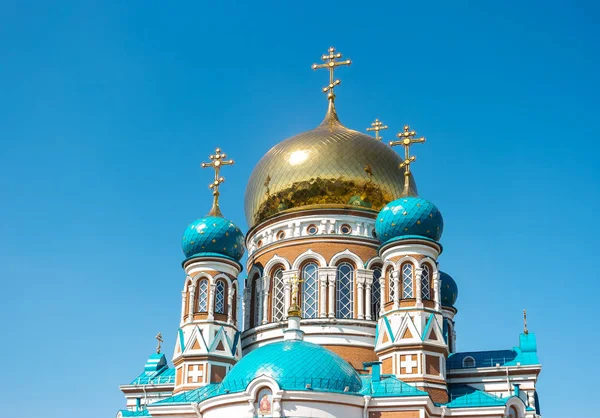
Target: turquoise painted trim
(388,386)
(465,396)
(128,413)
(181,342)
(389,328)
(427,326)
(235,342)
(202,336)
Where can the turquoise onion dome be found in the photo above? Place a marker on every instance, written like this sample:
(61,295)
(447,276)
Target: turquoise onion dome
(213,235)
(409,217)
(449,290)
(294,364)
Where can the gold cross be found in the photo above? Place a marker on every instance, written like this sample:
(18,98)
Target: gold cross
(407,138)
(160,340)
(525,330)
(217,160)
(330,64)
(377,126)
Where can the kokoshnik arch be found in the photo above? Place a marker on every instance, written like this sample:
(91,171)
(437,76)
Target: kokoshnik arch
(345,310)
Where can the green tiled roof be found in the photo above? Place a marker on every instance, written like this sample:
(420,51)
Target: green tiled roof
(388,386)
(465,396)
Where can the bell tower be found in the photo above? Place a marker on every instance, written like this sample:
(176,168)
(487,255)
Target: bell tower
(208,340)
(410,340)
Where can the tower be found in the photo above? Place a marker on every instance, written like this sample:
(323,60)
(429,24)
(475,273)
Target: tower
(208,338)
(410,340)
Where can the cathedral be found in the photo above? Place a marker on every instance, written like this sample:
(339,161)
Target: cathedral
(345,310)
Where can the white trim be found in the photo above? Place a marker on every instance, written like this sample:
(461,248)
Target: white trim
(347,254)
(309,255)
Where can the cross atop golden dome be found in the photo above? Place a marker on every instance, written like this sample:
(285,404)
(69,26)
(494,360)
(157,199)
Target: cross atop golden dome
(217,160)
(377,126)
(330,64)
(407,138)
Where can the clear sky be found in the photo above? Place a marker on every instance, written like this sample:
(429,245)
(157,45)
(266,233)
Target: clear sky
(108,108)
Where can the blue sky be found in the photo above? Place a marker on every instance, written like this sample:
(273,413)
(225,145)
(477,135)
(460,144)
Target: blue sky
(108,108)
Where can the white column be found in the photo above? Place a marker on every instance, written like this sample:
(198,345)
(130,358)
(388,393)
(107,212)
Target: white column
(192,290)
(437,289)
(418,289)
(396,277)
(360,285)
(331,296)
(211,300)
(230,305)
(382,294)
(322,295)
(183,301)
(265,299)
(246,308)
(368,302)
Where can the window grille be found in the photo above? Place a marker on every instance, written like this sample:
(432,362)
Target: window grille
(344,287)
(425,289)
(203,296)
(407,281)
(376,294)
(278,296)
(391,289)
(310,291)
(220,297)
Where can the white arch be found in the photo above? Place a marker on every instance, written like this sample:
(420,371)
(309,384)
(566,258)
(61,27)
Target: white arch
(518,404)
(407,258)
(359,264)
(274,261)
(374,260)
(309,255)
(431,263)
(222,276)
(201,275)
(387,265)
(260,382)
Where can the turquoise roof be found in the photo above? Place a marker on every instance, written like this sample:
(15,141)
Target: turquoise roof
(525,354)
(293,365)
(388,386)
(465,396)
(449,289)
(195,395)
(409,216)
(156,372)
(128,413)
(213,235)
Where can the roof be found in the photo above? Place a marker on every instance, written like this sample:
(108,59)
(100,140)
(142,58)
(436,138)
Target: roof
(156,372)
(128,413)
(388,386)
(465,396)
(525,354)
(195,395)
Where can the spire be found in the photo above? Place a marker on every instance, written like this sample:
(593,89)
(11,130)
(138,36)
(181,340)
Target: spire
(377,126)
(407,138)
(217,160)
(330,64)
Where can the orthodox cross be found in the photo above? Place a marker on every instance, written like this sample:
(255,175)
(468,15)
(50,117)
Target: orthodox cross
(377,126)
(217,160)
(525,330)
(330,64)
(160,340)
(407,138)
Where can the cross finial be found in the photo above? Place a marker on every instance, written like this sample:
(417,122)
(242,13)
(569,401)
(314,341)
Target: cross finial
(525,330)
(294,309)
(406,139)
(217,160)
(330,64)
(377,126)
(160,340)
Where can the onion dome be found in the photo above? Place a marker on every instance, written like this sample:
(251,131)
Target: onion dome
(294,364)
(409,217)
(330,166)
(213,235)
(449,289)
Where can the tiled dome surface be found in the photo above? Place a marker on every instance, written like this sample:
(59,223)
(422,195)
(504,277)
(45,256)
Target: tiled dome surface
(213,234)
(449,290)
(409,216)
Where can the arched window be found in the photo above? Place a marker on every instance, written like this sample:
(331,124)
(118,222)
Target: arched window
(376,294)
(512,413)
(425,288)
(278,296)
(220,297)
(390,282)
(264,402)
(469,362)
(202,295)
(344,288)
(407,281)
(310,291)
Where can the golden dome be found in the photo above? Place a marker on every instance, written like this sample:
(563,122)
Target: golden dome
(330,166)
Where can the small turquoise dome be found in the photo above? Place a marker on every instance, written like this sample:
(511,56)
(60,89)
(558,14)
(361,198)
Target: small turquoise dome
(449,291)
(409,216)
(294,364)
(213,235)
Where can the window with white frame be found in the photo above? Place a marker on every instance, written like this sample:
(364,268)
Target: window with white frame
(469,362)
(203,295)
(407,281)
(391,287)
(344,288)
(220,297)
(376,293)
(310,290)
(278,296)
(425,287)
